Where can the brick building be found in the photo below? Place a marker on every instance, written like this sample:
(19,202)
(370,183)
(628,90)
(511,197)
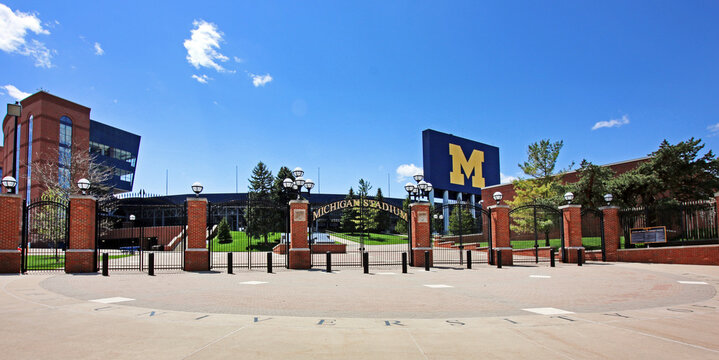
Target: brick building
(49,129)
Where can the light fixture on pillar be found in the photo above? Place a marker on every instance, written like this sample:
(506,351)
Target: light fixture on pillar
(197,188)
(438,216)
(9,183)
(418,177)
(409,187)
(298,172)
(569,197)
(132,217)
(84,185)
(292,187)
(287,183)
(608,198)
(15,110)
(497,196)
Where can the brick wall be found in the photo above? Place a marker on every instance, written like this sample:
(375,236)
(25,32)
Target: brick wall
(80,256)
(196,254)
(693,255)
(10,233)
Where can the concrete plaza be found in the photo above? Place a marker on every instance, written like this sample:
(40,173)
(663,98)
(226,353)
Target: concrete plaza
(599,310)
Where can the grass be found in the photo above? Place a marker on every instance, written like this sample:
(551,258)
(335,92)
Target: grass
(589,243)
(51,262)
(374,239)
(241,242)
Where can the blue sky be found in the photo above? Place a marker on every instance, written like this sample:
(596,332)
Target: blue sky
(348,87)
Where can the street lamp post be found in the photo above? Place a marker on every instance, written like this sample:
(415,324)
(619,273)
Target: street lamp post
(14,110)
(295,187)
(84,185)
(9,183)
(197,188)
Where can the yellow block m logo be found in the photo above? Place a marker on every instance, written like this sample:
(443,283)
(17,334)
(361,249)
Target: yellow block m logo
(461,167)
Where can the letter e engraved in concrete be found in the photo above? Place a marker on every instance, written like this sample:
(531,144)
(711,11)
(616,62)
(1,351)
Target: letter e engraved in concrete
(202,317)
(512,321)
(393,322)
(422,217)
(618,314)
(300,215)
(326,322)
(257,319)
(455,323)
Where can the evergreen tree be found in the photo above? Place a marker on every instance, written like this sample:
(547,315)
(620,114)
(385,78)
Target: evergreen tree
(363,217)
(592,185)
(223,232)
(261,219)
(401,226)
(380,218)
(348,214)
(279,195)
(465,226)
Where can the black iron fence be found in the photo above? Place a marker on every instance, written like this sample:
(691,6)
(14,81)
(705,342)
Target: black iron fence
(45,232)
(690,223)
(468,228)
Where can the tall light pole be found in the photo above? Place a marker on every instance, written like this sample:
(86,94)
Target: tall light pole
(14,110)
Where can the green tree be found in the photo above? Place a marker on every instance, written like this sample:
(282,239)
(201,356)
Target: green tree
(261,219)
(401,226)
(380,218)
(363,219)
(465,226)
(223,232)
(348,214)
(279,195)
(592,185)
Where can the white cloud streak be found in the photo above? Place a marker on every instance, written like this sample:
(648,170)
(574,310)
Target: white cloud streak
(14,28)
(611,123)
(260,80)
(15,92)
(405,171)
(201,78)
(506,179)
(713,129)
(98,49)
(203,45)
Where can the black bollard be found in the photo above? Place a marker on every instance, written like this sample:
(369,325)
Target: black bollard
(499,259)
(404,263)
(329,262)
(551,257)
(269,262)
(365,262)
(151,264)
(105,264)
(579,257)
(229,262)
(426,261)
(469,259)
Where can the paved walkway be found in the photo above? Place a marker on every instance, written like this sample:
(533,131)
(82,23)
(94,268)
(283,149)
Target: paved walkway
(614,311)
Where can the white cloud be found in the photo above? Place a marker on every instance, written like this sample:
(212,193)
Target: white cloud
(201,78)
(98,49)
(203,44)
(407,171)
(15,93)
(505,179)
(713,129)
(611,123)
(260,80)
(15,27)
(237,60)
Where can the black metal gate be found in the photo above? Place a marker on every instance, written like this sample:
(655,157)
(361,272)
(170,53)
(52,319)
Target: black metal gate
(469,230)
(255,232)
(44,235)
(365,226)
(593,231)
(534,231)
(130,232)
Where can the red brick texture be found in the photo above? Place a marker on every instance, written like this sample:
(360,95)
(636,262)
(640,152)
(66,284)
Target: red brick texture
(691,255)
(300,257)
(316,248)
(500,233)
(10,233)
(80,255)
(572,223)
(196,254)
(421,240)
(612,230)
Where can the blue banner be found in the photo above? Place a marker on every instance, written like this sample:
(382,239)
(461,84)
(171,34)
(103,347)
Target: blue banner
(457,164)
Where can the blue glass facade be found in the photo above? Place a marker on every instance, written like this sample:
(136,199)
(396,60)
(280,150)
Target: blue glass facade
(116,149)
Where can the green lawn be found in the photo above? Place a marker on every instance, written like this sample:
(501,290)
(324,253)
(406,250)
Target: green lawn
(240,243)
(374,239)
(50,262)
(589,243)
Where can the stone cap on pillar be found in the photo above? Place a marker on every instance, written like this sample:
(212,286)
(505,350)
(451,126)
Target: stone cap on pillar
(303,201)
(569,206)
(608,207)
(197,199)
(498,207)
(10,195)
(418,203)
(88,197)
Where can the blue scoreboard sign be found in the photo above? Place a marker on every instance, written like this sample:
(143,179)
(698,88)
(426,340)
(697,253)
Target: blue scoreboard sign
(457,165)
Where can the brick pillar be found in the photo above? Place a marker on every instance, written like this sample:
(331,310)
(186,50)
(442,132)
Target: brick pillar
(300,257)
(421,241)
(500,233)
(612,231)
(10,233)
(716,207)
(196,253)
(80,254)
(572,225)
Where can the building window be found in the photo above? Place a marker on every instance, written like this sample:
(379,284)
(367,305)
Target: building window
(65,152)
(29,157)
(115,153)
(124,175)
